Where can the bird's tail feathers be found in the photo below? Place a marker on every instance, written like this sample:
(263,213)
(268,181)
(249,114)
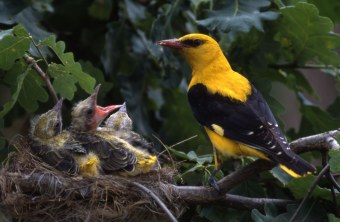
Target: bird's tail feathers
(298,167)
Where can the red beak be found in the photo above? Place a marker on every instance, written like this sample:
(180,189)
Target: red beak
(102,112)
(171,43)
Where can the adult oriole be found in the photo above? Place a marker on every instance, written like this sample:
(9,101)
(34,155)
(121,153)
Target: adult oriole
(235,116)
(51,144)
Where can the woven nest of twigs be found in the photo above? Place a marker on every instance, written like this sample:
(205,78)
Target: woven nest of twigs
(34,191)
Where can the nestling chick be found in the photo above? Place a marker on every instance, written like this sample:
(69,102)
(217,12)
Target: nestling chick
(51,144)
(120,125)
(112,156)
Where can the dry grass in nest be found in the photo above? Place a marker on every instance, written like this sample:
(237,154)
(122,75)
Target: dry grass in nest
(34,191)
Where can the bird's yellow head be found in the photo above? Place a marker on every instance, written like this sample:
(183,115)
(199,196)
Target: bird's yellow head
(198,49)
(87,115)
(49,124)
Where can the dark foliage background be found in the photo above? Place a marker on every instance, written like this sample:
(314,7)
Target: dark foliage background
(85,42)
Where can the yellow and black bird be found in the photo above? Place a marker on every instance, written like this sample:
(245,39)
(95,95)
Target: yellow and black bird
(115,154)
(51,144)
(121,125)
(235,116)
(102,156)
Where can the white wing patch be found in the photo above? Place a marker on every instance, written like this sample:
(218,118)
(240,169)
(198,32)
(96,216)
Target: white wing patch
(217,129)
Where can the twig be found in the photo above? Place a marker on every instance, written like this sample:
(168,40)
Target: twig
(309,192)
(183,141)
(39,51)
(43,75)
(207,195)
(325,161)
(160,203)
(297,66)
(321,142)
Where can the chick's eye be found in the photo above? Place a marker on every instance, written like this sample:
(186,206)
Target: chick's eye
(57,128)
(89,111)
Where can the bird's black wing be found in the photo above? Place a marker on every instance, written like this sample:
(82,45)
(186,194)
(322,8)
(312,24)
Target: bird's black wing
(112,155)
(56,158)
(251,123)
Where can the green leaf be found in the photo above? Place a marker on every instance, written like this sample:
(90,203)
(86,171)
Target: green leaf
(32,92)
(27,88)
(332,218)
(179,153)
(100,10)
(334,108)
(13,46)
(8,9)
(300,186)
(281,175)
(238,16)
(134,10)
(331,9)
(321,121)
(269,215)
(20,80)
(334,160)
(306,35)
(98,75)
(74,68)
(63,81)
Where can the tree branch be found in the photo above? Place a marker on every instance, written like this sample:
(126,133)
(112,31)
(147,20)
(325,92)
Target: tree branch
(321,142)
(297,66)
(42,74)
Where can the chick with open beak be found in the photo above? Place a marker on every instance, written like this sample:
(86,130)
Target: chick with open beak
(87,115)
(108,155)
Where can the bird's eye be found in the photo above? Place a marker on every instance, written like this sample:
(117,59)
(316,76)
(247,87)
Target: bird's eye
(89,111)
(57,128)
(193,42)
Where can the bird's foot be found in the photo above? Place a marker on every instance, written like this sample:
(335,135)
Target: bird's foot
(213,183)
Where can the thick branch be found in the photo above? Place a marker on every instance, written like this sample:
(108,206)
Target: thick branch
(43,75)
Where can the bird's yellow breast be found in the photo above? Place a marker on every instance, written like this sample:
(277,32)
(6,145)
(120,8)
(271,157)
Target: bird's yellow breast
(89,165)
(232,148)
(222,80)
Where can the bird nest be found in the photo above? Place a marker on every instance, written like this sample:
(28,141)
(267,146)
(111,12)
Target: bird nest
(34,191)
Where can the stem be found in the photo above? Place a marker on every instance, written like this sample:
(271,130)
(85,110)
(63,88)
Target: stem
(156,198)
(309,192)
(236,8)
(39,51)
(29,60)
